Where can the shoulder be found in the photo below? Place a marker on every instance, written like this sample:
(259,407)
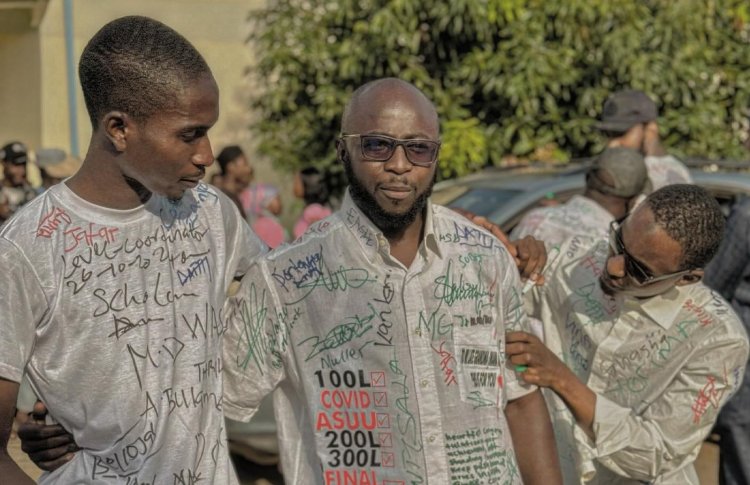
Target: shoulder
(712,310)
(456,233)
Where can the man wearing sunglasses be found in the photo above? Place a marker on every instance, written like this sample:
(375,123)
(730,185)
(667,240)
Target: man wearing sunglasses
(382,328)
(639,355)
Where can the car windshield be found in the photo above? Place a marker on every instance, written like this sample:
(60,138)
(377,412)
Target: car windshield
(483,201)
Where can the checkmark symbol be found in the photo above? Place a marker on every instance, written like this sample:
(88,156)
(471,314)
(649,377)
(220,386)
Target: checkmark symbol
(380,398)
(385,440)
(384,420)
(388,459)
(377,379)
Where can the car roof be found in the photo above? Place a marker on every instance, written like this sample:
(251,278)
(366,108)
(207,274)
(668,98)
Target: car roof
(523,188)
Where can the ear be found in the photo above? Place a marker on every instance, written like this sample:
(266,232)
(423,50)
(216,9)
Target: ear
(341,154)
(117,126)
(691,278)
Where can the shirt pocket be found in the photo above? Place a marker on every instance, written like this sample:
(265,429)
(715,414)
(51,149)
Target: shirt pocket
(480,362)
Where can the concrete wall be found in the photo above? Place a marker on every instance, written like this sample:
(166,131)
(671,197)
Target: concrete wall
(34,99)
(217,28)
(20,87)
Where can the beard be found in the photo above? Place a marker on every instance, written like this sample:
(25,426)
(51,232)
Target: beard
(389,222)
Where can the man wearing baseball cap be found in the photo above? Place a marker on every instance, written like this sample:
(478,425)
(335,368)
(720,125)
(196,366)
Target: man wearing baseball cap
(629,119)
(14,188)
(615,179)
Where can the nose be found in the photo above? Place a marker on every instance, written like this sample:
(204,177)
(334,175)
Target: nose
(616,266)
(204,156)
(398,163)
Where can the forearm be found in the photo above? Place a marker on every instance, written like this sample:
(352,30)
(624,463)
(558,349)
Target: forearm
(533,440)
(11,472)
(580,400)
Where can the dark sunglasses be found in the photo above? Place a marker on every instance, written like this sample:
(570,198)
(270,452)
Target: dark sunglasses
(640,274)
(380,148)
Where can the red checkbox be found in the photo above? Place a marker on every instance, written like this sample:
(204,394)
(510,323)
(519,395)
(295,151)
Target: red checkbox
(384,420)
(380,398)
(385,440)
(394,482)
(387,459)
(377,379)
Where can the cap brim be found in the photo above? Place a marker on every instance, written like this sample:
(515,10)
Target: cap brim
(616,126)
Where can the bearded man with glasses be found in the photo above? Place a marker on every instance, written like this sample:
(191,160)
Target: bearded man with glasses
(382,327)
(639,355)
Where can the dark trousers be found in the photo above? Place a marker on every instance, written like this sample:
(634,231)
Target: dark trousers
(734,460)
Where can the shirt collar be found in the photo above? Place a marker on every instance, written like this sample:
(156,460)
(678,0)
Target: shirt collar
(371,238)
(662,309)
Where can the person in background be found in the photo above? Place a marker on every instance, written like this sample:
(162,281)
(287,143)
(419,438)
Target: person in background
(235,172)
(54,166)
(729,275)
(629,119)
(310,186)
(15,190)
(381,329)
(639,355)
(260,203)
(113,282)
(616,177)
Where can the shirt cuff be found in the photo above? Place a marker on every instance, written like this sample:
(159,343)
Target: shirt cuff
(608,419)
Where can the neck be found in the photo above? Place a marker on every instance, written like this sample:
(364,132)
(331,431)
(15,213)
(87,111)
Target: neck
(613,205)
(405,243)
(100,181)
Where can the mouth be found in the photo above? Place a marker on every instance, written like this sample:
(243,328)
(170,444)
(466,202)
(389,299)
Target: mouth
(192,181)
(396,191)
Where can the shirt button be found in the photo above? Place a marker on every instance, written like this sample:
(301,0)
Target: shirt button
(431,439)
(424,383)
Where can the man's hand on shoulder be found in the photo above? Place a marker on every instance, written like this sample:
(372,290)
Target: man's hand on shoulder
(529,253)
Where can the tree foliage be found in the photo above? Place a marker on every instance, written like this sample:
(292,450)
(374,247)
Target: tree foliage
(524,78)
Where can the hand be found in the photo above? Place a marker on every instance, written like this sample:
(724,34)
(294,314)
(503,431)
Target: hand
(531,257)
(542,367)
(485,223)
(651,143)
(529,253)
(48,446)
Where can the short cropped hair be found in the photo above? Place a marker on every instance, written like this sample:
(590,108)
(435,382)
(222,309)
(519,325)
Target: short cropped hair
(136,65)
(227,155)
(692,217)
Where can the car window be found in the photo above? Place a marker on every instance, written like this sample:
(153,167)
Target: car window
(482,201)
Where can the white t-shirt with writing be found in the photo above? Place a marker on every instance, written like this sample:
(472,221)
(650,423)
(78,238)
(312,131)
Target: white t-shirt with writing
(116,318)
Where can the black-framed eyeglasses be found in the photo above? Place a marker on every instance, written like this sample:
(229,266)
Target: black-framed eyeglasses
(380,148)
(639,273)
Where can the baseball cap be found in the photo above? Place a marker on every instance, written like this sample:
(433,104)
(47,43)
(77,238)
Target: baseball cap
(56,163)
(14,152)
(626,169)
(624,109)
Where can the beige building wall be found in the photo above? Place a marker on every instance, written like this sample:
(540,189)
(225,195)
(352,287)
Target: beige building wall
(218,29)
(34,83)
(19,88)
